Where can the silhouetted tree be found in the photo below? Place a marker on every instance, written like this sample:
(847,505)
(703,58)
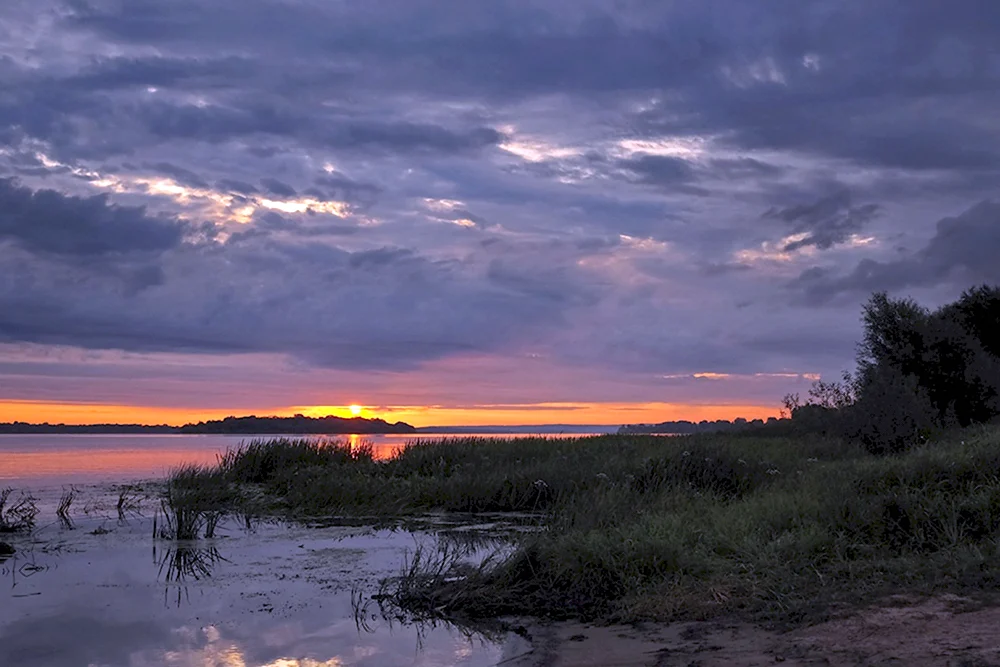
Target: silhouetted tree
(916,370)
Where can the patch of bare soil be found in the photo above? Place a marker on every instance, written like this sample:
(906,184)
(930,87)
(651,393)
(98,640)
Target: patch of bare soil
(947,631)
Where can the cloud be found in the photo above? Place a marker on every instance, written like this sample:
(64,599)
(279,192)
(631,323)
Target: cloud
(962,250)
(240,187)
(661,170)
(337,187)
(179,174)
(408,182)
(383,308)
(825,222)
(276,187)
(744,167)
(50,222)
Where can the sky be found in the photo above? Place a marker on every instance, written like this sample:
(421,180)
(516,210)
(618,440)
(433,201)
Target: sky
(455,212)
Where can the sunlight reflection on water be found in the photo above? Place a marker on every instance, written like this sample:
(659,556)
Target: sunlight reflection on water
(81,458)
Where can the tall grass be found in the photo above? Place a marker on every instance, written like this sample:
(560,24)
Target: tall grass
(638,527)
(262,461)
(779,533)
(193,502)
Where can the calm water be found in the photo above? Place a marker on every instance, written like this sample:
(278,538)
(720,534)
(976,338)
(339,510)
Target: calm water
(48,459)
(278,596)
(101,592)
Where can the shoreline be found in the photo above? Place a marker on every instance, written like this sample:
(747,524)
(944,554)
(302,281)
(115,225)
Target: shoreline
(930,632)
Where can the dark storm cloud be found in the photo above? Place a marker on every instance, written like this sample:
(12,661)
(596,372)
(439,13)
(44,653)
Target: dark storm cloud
(337,187)
(275,187)
(742,168)
(898,85)
(229,185)
(218,123)
(50,222)
(825,222)
(157,71)
(659,170)
(543,123)
(179,174)
(384,308)
(964,249)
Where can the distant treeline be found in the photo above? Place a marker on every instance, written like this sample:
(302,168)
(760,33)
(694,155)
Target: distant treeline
(251,425)
(23,428)
(704,426)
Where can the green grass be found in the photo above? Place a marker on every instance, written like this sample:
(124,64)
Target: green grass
(641,527)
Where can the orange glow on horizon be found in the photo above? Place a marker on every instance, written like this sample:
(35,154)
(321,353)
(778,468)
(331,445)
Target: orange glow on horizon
(568,413)
(420,416)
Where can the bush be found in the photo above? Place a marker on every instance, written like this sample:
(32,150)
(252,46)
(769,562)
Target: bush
(917,371)
(893,413)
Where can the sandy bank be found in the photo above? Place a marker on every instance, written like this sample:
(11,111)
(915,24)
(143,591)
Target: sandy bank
(946,631)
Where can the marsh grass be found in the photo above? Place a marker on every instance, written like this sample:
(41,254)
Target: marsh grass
(263,461)
(777,531)
(194,501)
(781,529)
(18,515)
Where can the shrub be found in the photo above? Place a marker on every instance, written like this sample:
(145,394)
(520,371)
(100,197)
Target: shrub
(893,413)
(917,371)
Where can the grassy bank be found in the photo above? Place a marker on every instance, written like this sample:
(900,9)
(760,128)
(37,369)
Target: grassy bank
(657,528)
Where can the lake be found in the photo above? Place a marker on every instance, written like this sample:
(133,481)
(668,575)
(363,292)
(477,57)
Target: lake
(64,458)
(100,591)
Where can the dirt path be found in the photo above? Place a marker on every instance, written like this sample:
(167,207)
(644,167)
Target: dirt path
(947,631)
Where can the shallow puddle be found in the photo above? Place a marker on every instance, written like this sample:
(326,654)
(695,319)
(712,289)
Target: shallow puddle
(104,593)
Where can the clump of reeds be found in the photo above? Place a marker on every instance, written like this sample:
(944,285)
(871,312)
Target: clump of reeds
(177,522)
(19,515)
(65,502)
(261,461)
(194,501)
(129,502)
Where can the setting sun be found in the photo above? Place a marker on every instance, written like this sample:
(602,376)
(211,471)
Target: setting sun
(355,410)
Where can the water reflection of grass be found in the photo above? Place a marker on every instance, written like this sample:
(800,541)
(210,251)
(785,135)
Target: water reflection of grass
(180,564)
